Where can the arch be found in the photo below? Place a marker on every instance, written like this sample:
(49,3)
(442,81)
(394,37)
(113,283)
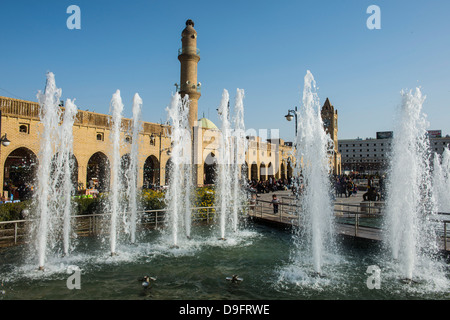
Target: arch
(283,173)
(168,169)
(210,169)
(254,172)
(98,171)
(263,172)
(270,171)
(19,173)
(289,168)
(151,172)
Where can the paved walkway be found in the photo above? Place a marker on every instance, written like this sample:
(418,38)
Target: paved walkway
(352,225)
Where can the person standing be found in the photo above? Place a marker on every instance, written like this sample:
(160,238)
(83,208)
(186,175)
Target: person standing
(275,202)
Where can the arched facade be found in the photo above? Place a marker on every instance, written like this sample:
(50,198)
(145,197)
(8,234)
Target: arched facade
(210,169)
(98,172)
(19,171)
(151,175)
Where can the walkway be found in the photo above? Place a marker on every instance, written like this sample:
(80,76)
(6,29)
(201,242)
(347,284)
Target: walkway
(355,217)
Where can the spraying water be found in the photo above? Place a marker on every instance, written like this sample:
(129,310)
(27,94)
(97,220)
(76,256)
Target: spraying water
(410,203)
(65,161)
(441,180)
(240,149)
(54,176)
(132,170)
(312,148)
(178,196)
(50,116)
(223,184)
(116,108)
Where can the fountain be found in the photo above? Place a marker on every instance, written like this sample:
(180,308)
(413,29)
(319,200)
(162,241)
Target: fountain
(116,108)
(223,183)
(240,146)
(230,194)
(178,196)
(132,170)
(65,161)
(54,182)
(312,150)
(207,276)
(441,180)
(410,204)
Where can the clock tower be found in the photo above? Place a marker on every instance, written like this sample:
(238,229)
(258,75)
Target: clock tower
(330,121)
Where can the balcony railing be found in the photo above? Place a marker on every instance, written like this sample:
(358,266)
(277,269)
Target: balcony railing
(189,87)
(189,50)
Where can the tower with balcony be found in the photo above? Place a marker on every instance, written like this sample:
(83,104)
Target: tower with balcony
(189,56)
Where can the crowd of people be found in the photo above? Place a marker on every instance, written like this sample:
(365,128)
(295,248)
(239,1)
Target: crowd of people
(21,191)
(344,185)
(269,185)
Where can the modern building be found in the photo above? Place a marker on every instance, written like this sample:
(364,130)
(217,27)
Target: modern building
(371,155)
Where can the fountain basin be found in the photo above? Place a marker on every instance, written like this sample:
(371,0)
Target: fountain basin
(198,268)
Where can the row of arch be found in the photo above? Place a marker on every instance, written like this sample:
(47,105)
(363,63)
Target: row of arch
(262,172)
(21,164)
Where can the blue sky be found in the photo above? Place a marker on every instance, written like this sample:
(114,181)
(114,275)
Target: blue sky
(263,47)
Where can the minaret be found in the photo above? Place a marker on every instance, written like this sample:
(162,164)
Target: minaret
(189,57)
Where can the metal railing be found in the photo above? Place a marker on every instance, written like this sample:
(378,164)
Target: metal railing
(17,231)
(367,215)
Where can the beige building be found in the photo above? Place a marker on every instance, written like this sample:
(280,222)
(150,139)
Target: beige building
(20,123)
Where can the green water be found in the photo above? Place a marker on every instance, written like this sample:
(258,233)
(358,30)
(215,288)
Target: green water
(271,266)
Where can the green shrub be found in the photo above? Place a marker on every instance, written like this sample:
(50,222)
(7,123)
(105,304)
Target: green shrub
(13,211)
(152,200)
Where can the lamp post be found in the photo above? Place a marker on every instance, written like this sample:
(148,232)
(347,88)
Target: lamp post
(290,115)
(4,140)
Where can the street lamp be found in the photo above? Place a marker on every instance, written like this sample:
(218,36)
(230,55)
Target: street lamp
(290,115)
(4,140)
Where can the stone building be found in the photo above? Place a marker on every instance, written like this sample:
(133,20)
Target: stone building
(20,123)
(330,121)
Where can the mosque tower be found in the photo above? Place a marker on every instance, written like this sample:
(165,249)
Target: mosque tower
(189,57)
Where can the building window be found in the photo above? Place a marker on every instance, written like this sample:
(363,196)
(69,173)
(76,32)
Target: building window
(24,128)
(100,136)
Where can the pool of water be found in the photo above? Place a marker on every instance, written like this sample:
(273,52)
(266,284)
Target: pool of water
(271,266)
